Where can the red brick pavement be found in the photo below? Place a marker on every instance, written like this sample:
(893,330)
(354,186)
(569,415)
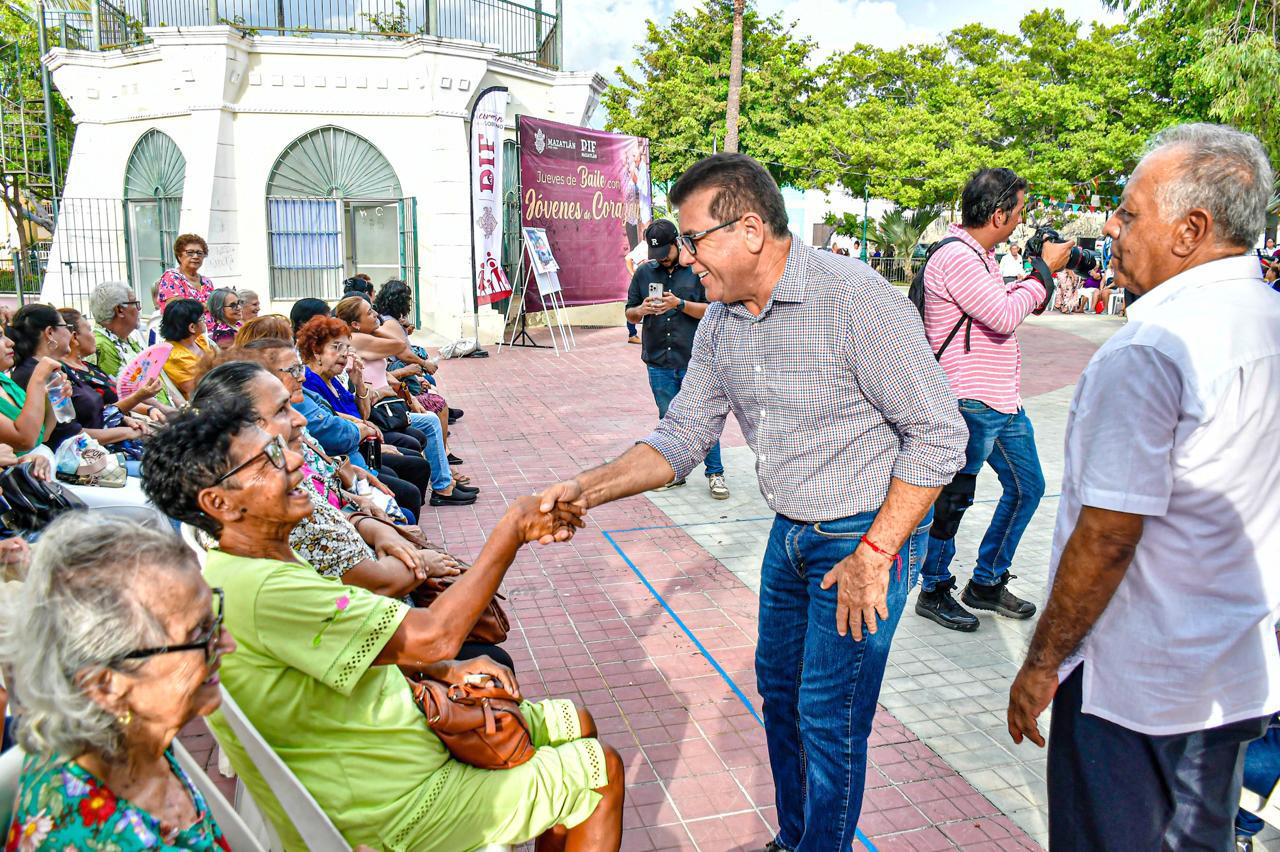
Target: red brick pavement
(585,627)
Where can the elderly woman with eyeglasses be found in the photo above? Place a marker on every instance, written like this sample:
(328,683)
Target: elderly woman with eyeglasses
(319,670)
(117,314)
(224,316)
(114,643)
(185,281)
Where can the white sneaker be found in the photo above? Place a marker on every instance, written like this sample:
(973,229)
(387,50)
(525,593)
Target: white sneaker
(719,490)
(669,486)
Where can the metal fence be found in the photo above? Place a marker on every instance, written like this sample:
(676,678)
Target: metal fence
(895,269)
(530,32)
(89,246)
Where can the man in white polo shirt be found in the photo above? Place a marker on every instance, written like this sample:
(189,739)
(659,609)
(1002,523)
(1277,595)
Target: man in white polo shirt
(1157,645)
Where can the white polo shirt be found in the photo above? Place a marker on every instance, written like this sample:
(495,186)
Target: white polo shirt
(1177,417)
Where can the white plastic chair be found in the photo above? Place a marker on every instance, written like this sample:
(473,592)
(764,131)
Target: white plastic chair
(1116,303)
(10,772)
(309,820)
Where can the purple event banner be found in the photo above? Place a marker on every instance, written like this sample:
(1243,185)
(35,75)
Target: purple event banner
(590,190)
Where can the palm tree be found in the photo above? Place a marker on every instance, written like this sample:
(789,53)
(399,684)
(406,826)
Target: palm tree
(735,80)
(903,231)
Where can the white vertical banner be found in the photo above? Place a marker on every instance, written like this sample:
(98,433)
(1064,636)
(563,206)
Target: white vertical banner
(488,117)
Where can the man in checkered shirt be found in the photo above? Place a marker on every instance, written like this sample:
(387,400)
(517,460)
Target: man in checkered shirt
(855,431)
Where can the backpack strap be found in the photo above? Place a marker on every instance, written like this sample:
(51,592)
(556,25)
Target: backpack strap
(964,317)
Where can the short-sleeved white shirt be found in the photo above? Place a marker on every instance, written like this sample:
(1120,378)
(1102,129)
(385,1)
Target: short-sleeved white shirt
(1177,417)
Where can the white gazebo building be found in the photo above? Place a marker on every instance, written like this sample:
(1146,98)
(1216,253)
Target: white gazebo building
(305,141)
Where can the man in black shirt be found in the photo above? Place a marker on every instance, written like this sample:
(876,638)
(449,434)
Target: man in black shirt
(670,321)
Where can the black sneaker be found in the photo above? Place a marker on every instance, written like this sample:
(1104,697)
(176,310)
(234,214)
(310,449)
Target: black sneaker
(457,498)
(938,605)
(454,459)
(775,846)
(997,598)
(1244,843)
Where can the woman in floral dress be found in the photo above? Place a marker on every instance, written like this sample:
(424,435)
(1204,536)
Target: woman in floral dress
(115,643)
(184,281)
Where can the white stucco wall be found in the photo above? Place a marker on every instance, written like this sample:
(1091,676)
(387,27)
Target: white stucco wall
(233,103)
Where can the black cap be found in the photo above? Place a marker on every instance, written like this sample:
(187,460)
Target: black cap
(659,236)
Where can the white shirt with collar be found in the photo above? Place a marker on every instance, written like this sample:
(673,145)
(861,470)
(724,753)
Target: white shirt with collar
(1011,266)
(1177,418)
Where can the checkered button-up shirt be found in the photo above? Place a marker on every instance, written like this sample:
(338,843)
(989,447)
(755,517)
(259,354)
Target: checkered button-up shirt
(835,388)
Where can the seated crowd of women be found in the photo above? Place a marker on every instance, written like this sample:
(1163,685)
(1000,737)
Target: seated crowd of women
(317,603)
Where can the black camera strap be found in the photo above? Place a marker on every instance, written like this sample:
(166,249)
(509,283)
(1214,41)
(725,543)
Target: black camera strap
(964,317)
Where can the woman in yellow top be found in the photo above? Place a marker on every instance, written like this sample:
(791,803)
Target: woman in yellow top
(183,326)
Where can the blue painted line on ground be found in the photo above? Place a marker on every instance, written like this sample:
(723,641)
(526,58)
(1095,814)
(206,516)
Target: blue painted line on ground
(862,838)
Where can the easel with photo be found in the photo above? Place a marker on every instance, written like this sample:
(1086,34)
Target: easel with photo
(538,267)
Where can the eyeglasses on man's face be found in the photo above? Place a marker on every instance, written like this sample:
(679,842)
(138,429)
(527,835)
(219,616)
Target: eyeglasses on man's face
(206,641)
(132,304)
(274,451)
(689,242)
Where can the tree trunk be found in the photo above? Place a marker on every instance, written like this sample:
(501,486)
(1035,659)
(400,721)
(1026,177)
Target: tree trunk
(735,80)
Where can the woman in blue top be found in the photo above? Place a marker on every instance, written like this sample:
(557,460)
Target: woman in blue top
(325,344)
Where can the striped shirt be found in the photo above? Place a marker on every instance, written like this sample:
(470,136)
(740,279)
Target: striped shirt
(833,384)
(956,282)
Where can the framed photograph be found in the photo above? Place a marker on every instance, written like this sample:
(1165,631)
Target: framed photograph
(540,250)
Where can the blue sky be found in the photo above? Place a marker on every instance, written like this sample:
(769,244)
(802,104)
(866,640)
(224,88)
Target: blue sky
(600,35)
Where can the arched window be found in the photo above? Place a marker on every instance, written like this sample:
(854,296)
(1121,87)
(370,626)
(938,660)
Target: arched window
(334,208)
(153,182)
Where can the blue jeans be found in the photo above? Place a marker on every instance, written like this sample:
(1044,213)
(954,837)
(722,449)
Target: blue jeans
(1007,443)
(665,385)
(1261,773)
(434,451)
(820,688)
(631,330)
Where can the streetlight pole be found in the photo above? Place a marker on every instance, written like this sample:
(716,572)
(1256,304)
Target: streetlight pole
(866,204)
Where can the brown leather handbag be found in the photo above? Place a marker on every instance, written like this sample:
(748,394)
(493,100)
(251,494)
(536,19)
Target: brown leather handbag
(480,726)
(490,628)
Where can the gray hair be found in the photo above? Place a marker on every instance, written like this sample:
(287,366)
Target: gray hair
(1224,171)
(247,295)
(217,301)
(106,297)
(77,611)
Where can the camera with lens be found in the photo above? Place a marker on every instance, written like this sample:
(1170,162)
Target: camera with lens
(1080,261)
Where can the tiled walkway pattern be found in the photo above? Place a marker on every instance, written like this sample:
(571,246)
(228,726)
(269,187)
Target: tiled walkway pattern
(586,626)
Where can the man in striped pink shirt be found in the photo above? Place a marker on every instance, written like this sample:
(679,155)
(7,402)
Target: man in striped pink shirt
(970,317)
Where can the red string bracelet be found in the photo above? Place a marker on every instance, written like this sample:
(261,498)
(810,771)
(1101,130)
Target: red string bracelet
(875,548)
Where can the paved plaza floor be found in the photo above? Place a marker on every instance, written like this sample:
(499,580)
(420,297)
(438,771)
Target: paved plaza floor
(648,617)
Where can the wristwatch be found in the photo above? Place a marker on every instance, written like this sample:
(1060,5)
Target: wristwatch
(680,307)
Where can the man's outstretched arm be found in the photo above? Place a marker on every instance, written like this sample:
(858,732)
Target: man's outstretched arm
(639,469)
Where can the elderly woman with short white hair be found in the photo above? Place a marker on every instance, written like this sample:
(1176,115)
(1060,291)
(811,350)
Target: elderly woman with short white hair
(113,643)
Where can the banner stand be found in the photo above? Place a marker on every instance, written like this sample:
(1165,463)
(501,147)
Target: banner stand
(484,144)
(550,297)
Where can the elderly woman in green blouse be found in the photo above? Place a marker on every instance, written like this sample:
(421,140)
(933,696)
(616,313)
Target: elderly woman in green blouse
(319,672)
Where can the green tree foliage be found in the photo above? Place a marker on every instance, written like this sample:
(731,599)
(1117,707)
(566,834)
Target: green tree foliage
(1059,101)
(678,97)
(24,188)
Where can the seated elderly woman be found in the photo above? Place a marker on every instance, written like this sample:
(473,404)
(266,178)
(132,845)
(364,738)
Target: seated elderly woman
(114,643)
(183,325)
(79,363)
(325,346)
(319,671)
(225,316)
(38,332)
(250,305)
